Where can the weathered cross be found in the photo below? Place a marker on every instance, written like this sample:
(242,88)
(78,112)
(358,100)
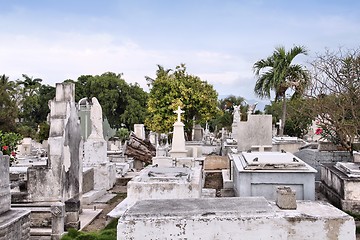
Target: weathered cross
(179,112)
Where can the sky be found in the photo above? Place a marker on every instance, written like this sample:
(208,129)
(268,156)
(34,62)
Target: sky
(219,41)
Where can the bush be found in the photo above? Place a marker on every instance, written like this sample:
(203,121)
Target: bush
(108,233)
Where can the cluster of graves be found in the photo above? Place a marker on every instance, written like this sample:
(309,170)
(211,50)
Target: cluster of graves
(264,184)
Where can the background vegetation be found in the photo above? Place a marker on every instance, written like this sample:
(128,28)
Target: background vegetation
(328,93)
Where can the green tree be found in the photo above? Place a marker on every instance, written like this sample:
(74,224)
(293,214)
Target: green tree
(122,103)
(29,100)
(33,105)
(278,73)
(225,118)
(170,90)
(297,119)
(8,108)
(135,111)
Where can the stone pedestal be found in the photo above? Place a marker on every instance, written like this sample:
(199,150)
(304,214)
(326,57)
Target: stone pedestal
(104,176)
(57,220)
(285,198)
(178,143)
(198,133)
(14,224)
(5,196)
(72,208)
(234,130)
(95,152)
(139,131)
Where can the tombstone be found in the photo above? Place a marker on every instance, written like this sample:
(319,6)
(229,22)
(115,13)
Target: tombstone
(178,142)
(14,224)
(25,147)
(139,131)
(153,137)
(256,131)
(198,133)
(60,179)
(95,151)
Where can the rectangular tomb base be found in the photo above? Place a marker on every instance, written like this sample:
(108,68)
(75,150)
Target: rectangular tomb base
(15,225)
(233,218)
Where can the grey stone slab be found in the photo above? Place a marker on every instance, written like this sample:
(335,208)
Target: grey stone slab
(254,206)
(105,198)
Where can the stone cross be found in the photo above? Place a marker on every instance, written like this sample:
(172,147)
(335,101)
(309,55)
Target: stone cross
(179,112)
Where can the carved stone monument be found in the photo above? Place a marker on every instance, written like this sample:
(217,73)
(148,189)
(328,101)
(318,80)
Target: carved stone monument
(178,143)
(198,132)
(95,151)
(236,121)
(60,180)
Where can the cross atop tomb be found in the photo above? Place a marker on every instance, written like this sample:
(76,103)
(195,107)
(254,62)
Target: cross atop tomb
(179,112)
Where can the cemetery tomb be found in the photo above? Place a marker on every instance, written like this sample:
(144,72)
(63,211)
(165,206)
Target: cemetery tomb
(233,218)
(14,223)
(161,183)
(260,173)
(340,183)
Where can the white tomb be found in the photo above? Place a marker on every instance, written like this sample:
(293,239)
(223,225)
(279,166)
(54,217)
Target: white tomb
(233,218)
(340,184)
(161,183)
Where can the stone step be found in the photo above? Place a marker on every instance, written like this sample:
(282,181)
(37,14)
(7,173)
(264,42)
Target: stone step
(92,195)
(87,216)
(227,192)
(40,233)
(105,198)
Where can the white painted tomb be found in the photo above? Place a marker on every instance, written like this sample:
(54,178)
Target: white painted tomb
(259,173)
(233,218)
(161,183)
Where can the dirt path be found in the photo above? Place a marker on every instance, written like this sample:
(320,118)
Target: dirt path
(101,220)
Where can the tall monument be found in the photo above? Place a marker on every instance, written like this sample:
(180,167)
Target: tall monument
(178,142)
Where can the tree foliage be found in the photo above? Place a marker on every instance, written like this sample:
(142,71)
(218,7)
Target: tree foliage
(335,95)
(32,99)
(8,107)
(122,103)
(171,89)
(297,119)
(278,73)
(225,117)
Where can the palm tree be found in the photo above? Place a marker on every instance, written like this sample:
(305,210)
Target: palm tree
(277,73)
(161,72)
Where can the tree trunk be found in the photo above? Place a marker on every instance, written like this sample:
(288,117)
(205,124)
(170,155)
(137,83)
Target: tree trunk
(283,117)
(189,135)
